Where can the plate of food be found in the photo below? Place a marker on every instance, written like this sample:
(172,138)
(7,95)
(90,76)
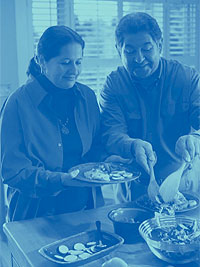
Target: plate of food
(105,172)
(82,248)
(182,202)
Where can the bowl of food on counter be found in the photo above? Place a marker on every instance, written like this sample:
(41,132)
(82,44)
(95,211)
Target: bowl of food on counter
(174,239)
(82,248)
(126,222)
(182,202)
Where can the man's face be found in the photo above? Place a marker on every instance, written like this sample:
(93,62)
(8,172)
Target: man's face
(140,54)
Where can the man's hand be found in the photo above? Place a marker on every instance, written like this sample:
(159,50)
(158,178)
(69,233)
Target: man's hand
(187,147)
(118,159)
(143,153)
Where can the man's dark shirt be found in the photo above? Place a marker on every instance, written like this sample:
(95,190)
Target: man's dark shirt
(159,113)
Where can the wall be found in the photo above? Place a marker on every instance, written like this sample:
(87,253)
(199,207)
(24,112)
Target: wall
(8,71)
(16,47)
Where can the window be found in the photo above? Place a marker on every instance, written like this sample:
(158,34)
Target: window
(95,21)
(97,24)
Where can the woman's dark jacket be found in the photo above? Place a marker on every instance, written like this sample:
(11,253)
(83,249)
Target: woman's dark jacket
(32,151)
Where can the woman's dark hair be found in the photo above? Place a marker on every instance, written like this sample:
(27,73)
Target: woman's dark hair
(137,22)
(54,38)
(33,68)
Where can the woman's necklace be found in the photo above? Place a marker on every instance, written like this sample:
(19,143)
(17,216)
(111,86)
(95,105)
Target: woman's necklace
(64,126)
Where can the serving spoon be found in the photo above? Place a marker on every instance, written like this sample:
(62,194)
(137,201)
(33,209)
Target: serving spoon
(153,187)
(170,185)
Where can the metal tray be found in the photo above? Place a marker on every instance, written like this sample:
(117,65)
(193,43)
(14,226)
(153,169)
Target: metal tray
(112,165)
(112,241)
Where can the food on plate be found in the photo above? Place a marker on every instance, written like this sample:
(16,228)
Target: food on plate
(59,257)
(84,255)
(83,247)
(107,172)
(180,203)
(79,251)
(79,246)
(62,249)
(70,258)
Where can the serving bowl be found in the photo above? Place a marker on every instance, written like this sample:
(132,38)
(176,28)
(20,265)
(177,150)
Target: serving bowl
(144,202)
(168,237)
(126,222)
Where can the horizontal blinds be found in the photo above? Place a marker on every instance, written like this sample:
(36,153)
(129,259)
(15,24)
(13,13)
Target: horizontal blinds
(44,14)
(154,9)
(95,21)
(182,32)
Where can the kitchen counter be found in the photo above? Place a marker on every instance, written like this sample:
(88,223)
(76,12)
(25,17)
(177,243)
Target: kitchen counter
(25,238)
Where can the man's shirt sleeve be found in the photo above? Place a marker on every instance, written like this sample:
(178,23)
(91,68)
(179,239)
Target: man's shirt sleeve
(114,126)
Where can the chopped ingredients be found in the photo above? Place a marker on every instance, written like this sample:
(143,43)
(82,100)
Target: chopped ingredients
(91,243)
(181,233)
(106,172)
(70,258)
(179,203)
(79,246)
(75,252)
(59,257)
(85,255)
(177,237)
(63,249)
(78,251)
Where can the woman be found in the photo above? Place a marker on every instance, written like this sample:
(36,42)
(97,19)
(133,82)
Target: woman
(49,125)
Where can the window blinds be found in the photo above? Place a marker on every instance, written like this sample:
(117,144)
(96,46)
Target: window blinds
(44,14)
(95,21)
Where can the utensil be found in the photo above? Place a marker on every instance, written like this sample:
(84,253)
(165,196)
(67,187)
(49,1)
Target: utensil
(153,187)
(99,234)
(170,185)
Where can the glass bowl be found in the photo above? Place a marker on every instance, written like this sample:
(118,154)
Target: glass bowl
(179,252)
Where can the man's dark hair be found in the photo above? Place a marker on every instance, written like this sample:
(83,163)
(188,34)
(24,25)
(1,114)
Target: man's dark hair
(54,38)
(137,22)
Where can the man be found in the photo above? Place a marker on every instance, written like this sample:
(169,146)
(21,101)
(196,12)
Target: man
(150,105)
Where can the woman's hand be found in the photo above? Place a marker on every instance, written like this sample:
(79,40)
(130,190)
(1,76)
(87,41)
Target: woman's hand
(68,179)
(187,147)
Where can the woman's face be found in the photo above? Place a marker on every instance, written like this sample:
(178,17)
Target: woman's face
(64,69)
